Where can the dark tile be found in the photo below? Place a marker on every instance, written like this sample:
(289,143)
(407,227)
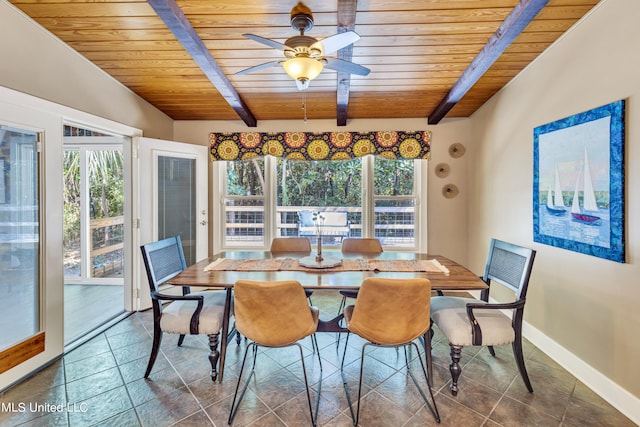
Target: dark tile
(208,392)
(451,414)
(251,409)
(88,366)
(376,410)
(91,348)
(551,397)
(101,407)
(268,420)
(587,408)
(53,419)
(128,418)
(133,337)
(510,412)
(158,385)
(477,397)
(497,376)
(27,401)
(198,419)
(135,369)
(296,410)
(168,408)
(93,385)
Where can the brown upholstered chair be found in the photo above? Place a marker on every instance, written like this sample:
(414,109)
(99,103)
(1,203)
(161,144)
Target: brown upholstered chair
(468,321)
(274,325)
(392,313)
(290,245)
(358,246)
(293,246)
(188,314)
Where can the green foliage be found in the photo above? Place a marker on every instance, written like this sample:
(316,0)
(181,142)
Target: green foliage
(106,187)
(322,183)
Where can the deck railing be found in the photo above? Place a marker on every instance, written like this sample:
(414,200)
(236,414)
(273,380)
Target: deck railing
(245,224)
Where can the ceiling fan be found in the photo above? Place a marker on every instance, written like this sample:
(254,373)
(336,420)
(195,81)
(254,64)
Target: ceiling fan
(305,56)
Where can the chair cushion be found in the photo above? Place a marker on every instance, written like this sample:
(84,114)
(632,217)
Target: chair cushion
(176,316)
(450,314)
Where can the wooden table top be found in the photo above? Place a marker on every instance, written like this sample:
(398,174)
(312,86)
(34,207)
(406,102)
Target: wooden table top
(459,278)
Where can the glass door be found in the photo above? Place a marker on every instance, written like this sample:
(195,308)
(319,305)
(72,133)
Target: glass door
(173,197)
(93,231)
(20,256)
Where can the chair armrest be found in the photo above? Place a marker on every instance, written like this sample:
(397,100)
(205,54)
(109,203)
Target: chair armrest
(195,318)
(476,331)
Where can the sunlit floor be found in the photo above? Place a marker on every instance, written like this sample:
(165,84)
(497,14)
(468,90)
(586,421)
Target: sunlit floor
(89,306)
(100,383)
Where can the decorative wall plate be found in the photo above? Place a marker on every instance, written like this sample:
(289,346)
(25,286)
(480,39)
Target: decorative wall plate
(457,150)
(442,170)
(450,191)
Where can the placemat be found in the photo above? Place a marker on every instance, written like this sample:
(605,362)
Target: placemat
(291,264)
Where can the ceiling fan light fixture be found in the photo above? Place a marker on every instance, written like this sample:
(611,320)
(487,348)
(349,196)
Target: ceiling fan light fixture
(303,68)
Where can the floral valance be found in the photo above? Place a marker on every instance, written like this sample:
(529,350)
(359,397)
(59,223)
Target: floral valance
(320,146)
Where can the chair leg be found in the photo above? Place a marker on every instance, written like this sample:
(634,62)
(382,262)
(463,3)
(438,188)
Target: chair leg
(234,407)
(214,355)
(492,352)
(344,379)
(180,340)
(427,378)
(454,367)
(517,352)
(314,418)
(155,347)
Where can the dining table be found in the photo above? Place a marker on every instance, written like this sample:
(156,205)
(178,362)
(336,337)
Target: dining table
(336,271)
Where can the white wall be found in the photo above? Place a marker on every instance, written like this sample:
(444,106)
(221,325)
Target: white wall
(447,218)
(581,304)
(35,62)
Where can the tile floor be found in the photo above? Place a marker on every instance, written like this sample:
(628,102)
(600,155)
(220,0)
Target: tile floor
(100,383)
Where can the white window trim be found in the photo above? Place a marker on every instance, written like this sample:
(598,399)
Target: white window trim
(219,173)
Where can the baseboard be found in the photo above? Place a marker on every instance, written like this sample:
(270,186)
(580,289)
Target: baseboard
(618,397)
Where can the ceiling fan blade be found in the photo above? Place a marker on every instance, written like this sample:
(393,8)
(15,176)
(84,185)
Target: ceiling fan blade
(335,42)
(271,43)
(259,67)
(346,66)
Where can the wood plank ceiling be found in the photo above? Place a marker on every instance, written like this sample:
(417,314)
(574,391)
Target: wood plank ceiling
(418,51)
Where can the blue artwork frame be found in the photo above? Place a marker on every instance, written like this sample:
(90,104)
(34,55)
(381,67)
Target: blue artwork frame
(578,182)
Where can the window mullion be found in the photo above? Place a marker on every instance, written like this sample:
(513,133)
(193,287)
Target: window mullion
(270,199)
(368,217)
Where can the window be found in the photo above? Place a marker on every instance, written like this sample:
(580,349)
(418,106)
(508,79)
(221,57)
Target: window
(262,198)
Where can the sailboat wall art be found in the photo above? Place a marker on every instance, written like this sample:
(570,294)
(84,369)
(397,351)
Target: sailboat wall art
(578,182)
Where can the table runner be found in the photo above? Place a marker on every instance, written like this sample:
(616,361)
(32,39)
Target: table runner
(292,264)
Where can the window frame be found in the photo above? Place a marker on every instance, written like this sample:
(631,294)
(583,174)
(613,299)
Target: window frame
(220,197)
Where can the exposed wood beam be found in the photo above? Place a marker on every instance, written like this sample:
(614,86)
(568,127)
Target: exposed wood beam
(346,22)
(179,25)
(513,25)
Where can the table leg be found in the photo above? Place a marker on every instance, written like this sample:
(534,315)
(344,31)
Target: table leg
(225,333)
